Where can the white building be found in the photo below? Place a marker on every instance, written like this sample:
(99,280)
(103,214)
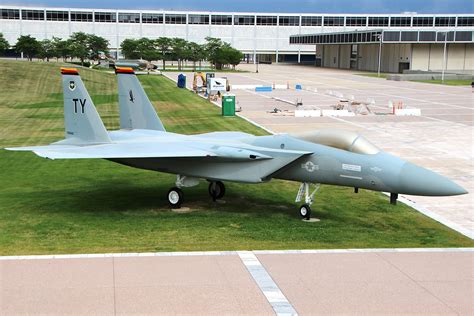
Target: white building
(264,34)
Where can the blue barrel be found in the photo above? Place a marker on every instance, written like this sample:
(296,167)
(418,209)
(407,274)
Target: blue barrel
(181,81)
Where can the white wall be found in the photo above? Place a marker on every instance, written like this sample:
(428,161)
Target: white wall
(429,57)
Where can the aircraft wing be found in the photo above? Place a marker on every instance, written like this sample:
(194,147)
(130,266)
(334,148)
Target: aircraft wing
(140,150)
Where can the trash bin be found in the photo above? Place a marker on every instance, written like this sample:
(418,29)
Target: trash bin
(228,105)
(181,81)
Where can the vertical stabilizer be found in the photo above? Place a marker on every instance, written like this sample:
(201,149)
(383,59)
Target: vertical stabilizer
(136,110)
(81,120)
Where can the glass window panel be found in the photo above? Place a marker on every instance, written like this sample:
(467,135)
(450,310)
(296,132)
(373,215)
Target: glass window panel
(9,14)
(333,21)
(81,16)
(289,20)
(32,14)
(152,18)
(403,21)
(244,20)
(221,19)
(266,20)
(129,18)
(175,18)
(105,17)
(198,19)
(465,21)
(57,15)
(311,21)
(422,21)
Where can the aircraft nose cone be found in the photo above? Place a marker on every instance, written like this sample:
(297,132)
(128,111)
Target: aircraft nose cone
(415,180)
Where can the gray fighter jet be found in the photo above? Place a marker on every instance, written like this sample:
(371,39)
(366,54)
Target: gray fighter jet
(322,157)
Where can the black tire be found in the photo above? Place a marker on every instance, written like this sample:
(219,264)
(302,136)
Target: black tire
(175,197)
(216,190)
(305,211)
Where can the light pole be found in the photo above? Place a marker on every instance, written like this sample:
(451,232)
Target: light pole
(444,56)
(256,64)
(380,37)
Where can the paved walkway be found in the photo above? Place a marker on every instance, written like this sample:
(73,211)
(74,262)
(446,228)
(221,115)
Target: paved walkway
(369,282)
(441,139)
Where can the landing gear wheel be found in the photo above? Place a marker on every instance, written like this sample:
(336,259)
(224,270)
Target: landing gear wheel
(305,211)
(175,197)
(216,190)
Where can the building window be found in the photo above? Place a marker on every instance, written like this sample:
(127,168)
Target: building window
(57,15)
(400,21)
(81,16)
(32,14)
(409,36)
(198,19)
(445,21)
(423,21)
(289,20)
(266,20)
(9,14)
(152,18)
(175,18)
(333,21)
(463,36)
(441,36)
(311,21)
(244,20)
(378,21)
(221,19)
(356,21)
(466,21)
(391,36)
(427,36)
(129,17)
(105,16)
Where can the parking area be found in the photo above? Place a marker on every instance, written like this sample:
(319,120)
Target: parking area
(440,139)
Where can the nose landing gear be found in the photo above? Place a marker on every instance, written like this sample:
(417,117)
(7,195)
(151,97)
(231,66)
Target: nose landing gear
(175,197)
(303,191)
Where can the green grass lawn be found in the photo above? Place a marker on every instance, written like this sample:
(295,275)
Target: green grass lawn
(375,75)
(449,82)
(446,82)
(90,206)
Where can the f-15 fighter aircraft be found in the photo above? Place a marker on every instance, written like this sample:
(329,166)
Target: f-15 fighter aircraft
(322,157)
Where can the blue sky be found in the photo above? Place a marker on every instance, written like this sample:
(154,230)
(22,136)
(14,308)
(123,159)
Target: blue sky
(302,6)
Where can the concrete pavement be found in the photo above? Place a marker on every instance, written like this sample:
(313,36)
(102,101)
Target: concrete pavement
(369,282)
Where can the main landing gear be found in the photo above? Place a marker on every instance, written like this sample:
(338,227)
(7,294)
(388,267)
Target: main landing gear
(175,195)
(216,190)
(304,191)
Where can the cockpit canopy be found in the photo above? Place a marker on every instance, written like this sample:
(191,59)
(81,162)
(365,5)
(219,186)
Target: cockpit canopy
(341,139)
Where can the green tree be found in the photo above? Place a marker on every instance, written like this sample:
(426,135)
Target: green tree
(129,48)
(179,50)
(235,56)
(164,48)
(27,45)
(147,49)
(96,45)
(4,45)
(63,48)
(196,53)
(212,49)
(47,49)
(79,46)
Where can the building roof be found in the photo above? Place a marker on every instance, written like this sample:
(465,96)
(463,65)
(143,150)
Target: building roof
(384,36)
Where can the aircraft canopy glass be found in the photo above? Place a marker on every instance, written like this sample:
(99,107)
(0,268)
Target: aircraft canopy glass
(341,139)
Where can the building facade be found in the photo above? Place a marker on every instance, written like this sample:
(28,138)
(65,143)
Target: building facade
(264,34)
